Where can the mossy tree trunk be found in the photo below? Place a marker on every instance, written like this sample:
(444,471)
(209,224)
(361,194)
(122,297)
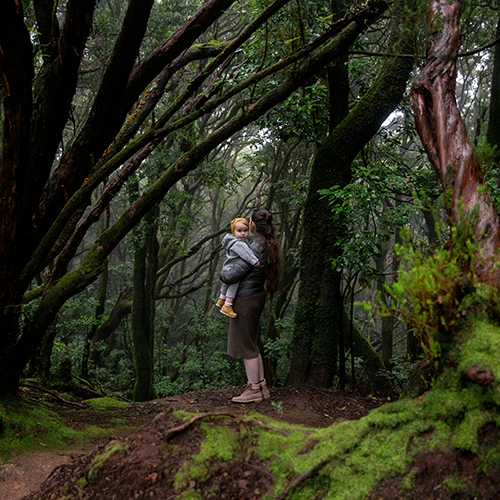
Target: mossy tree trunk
(316,332)
(121,309)
(99,311)
(102,292)
(387,333)
(143,309)
(319,306)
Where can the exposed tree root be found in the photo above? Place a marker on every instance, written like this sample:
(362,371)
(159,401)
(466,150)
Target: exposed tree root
(55,395)
(177,430)
(299,479)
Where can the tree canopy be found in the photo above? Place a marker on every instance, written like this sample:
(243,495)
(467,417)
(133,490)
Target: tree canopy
(133,132)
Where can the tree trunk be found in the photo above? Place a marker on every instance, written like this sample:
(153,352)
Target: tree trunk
(99,311)
(319,285)
(318,317)
(143,310)
(122,308)
(46,353)
(444,136)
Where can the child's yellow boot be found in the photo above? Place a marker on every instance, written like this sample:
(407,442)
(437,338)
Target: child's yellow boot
(228,311)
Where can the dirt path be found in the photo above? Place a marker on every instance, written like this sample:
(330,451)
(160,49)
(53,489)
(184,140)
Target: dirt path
(26,472)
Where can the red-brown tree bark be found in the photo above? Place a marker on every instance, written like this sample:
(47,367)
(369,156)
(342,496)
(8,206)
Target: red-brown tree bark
(444,136)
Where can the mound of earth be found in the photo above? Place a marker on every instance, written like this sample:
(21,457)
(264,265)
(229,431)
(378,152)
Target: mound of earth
(213,455)
(314,407)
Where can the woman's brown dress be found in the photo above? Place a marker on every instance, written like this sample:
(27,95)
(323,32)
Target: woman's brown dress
(244,330)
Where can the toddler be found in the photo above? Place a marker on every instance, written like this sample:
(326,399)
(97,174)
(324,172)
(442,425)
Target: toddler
(236,247)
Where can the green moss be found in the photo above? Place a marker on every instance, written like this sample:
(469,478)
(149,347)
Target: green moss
(82,483)
(100,460)
(480,349)
(279,424)
(190,495)
(219,443)
(95,430)
(490,458)
(183,415)
(27,426)
(465,436)
(108,402)
(351,458)
(360,454)
(119,422)
(409,479)
(454,483)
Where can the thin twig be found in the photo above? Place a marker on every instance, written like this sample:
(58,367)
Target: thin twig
(386,54)
(480,49)
(125,399)
(376,54)
(262,424)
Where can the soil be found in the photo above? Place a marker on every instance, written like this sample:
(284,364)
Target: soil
(146,468)
(311,407)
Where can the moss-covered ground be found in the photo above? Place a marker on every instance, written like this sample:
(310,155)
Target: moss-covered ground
(28,424)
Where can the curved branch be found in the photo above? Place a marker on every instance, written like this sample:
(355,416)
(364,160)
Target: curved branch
(195,248)
(444,136)
(77,280)
(174,46)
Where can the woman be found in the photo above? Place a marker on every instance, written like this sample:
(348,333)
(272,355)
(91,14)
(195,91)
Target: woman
(244,330)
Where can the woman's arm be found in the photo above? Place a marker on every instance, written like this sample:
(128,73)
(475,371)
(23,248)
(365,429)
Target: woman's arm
(236,272)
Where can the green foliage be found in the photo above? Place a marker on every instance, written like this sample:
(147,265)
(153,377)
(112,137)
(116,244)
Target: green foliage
(485,154)
(217,173)
(431,291)
(401,374)
(301,115)
(362,206)
(202,363)
(278,350)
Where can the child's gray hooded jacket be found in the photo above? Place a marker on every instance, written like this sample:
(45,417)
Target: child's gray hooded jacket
(236,248)
(250,278)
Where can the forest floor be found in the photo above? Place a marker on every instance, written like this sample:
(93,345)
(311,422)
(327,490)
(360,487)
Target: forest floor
(311,407)
(149,461)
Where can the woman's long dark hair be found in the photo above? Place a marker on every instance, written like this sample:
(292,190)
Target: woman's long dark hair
(266,235)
